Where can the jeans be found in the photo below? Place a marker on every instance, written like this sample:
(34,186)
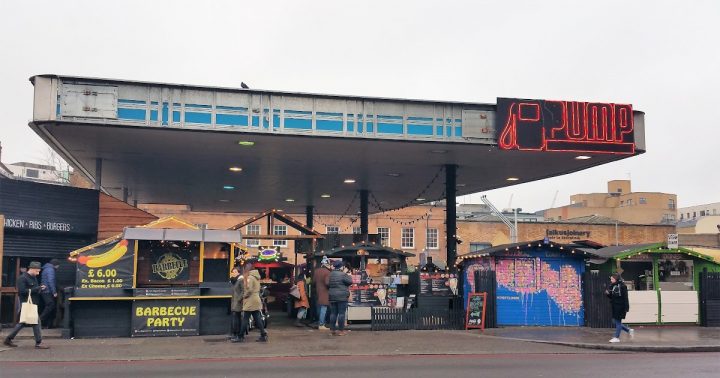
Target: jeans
(301,312)
(236,323)
(322,314)
(37,332)
(619,327)
(257,316)
(337,315)
(48,312)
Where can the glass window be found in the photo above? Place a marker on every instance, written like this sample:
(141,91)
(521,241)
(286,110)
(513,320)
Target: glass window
(474,246)
(671,204)
(384,233)
(407,239)
(332,230)
(432,238)
(252,229)
(357,230)
(280,230)
(643,200)
(33,173)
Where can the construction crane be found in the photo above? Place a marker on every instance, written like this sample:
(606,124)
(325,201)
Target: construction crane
(552,205)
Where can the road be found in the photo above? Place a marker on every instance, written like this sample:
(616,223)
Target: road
(590,364)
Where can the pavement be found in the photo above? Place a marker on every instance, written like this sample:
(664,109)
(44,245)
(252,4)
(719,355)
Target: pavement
(307,342)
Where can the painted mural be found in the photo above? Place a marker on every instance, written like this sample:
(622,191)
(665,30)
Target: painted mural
(539,289)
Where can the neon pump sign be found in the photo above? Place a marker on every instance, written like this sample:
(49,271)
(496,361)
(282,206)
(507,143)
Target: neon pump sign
(568,126)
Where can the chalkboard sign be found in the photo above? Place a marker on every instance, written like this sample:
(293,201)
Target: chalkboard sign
(475,317)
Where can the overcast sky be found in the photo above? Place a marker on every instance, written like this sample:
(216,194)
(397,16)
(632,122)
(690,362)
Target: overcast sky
(663,57)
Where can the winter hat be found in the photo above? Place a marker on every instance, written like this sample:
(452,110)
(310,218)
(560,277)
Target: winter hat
(54,262)
(338,264)
(617,277)
(34,265)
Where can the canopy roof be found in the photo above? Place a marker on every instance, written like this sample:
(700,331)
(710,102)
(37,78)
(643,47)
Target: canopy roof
(569,249)
(626,252)
(199,235)
(373,251)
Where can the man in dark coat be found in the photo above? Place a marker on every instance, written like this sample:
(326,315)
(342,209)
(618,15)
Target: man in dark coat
(49,294)
(237,282)
(320,277)
(27,285)
(338,284)
(618,294)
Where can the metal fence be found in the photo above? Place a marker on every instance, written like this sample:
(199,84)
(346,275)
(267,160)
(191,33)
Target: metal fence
(396,319)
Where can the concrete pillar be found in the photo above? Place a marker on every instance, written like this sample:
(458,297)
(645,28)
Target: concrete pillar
(309,210)
(450,214)
(98,173)
(364,214)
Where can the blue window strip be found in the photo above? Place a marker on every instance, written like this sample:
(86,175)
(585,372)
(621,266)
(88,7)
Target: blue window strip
(125,101)
(360,127)
(193,117)
(295,123)
(388,117)
(297,112)
(165,113)
(421,119)
(256,121)
(438,130)
(176,104)
(370,126)
(448,131)
(458,121)
(326,125)
(276,122)
(458,131)
(153,115)
(231,119)
(134,114)
(176,116)
(350,126)
(57,109)
(200,106)
(414,129)
(439,121)
(326,114)
(154,103)
(389,128)
(236,108)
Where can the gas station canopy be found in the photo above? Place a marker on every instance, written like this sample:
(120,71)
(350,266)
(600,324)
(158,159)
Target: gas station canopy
(221,149)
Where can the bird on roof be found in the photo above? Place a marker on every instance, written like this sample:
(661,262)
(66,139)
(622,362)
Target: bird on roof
(243,85)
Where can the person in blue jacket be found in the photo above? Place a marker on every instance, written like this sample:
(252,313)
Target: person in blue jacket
(49,294)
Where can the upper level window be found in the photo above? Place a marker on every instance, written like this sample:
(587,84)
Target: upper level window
(432,238)
(33,173)
(671,204)
(280,230)
(407,239)
(252,229)
(332,230)
(643,200)
(384,234)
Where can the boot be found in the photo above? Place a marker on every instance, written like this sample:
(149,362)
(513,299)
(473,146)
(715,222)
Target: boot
(298,323)
(262,339)
(8,342)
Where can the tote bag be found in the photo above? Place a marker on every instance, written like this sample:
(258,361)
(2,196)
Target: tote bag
(29,312)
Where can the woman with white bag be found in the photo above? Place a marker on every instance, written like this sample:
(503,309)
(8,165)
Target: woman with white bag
(28,292)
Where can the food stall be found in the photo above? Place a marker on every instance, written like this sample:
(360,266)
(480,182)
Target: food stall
(379,277)
(167,278)
(276,274)
(663,283)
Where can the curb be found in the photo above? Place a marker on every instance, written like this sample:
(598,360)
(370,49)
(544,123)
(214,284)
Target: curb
(624,347)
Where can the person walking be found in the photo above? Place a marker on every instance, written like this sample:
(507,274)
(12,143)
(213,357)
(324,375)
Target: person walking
(252,304)
(301,304)
(49,294)
(338,283)
(237,282)
(27,285)
(320,277)
(618,294)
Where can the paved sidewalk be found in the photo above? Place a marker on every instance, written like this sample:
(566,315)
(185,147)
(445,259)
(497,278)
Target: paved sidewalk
(647,338)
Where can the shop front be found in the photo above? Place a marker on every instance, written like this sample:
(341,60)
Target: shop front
(538,283)
(663,283)
(167,278)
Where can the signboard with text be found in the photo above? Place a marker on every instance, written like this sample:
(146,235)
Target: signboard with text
(475,316)
(108,266)
(178,317)
(672,241)
(568,126)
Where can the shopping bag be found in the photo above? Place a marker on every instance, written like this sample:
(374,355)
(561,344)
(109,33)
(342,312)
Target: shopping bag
(295,292)
(29,312)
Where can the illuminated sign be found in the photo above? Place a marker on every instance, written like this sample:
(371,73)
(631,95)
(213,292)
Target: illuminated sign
(569,126)
(269,254)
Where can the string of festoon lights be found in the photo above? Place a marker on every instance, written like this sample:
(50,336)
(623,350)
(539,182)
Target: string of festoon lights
(343,215)
(405,222)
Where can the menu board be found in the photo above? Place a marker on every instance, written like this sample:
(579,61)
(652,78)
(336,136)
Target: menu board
(368,295)
(438,284)
(108,266)
(475,316)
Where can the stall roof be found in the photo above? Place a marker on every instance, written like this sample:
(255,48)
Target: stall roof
(199,235)
(374,251)
(634,250)
(558,247)
(167,222)
(279,215)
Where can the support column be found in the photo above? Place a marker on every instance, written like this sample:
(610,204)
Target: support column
(98,173)
(125,194)
(364,214)
(309,211)
(450,214)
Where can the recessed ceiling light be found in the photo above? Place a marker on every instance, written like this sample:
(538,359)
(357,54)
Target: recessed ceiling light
(512,179)
(393,174)
(439,151)
(420,199)
(325,196)
(583,157)
(224,200)
(228,187)
(235,169)
(349,181)
(289,200)
(246,143)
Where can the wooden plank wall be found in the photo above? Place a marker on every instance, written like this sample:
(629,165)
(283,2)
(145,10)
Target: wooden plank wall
(114,215)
